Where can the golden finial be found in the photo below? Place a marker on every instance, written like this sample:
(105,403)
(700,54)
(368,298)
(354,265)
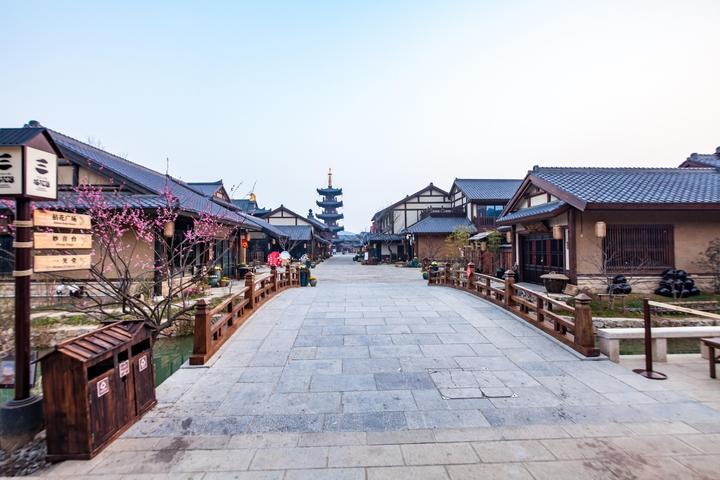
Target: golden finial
(252,197)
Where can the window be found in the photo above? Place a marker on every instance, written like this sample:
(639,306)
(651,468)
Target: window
(492,211)
(646,248)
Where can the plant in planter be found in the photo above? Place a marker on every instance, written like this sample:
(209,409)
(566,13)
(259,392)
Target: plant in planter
(224,281)
(313,281)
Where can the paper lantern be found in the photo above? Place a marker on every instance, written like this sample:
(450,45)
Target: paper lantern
(558,233)
(600,229)
(509,237)
(169,229)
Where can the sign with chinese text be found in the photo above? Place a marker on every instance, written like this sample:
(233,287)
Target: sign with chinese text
(124,368)
(10,171)
(52,240)
(49,218)
(40,174)
(61,263)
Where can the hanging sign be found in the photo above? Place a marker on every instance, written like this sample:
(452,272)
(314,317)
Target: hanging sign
(52,240)
(10,171)
(49,218)
(103,386)
(61,263)
(40,174)
(124,368)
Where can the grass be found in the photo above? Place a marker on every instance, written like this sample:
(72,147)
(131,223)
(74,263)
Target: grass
(674,345)
(63,320)
(634,301)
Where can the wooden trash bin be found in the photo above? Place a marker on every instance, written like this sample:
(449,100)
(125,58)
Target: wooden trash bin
(95,386)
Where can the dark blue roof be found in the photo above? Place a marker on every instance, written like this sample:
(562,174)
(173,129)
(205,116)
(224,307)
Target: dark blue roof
(124,171)
(487,189)
(443,224)
(207,188)
(542,209)
(709,159)
(296,232)
(382,237)
(634,185)
(249,206)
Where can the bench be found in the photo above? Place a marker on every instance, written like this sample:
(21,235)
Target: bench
(711,344)
(610,339)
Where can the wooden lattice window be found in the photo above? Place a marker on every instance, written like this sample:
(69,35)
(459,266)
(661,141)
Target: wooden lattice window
(642,248)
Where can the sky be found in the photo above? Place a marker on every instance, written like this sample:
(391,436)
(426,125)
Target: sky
(392,95)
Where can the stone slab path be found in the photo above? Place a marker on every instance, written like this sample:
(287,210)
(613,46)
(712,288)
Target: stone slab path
(375,375)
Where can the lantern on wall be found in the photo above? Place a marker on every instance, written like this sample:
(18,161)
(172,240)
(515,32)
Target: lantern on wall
(169,229)
(558,233)
(600,229)
(509,236)
(305,246)
(483,246)
(273,241)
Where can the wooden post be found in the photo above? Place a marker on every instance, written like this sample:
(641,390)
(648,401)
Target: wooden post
(471,276)
(22,273)
(250,292)
(539,307)
(448,273)
(201,339)
(509,282)
(584,336)
(274,278)
(648,372)
(488,286)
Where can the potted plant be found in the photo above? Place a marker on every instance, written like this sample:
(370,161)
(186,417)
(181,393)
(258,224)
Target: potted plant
(313,281)
(242,270)
(224,281)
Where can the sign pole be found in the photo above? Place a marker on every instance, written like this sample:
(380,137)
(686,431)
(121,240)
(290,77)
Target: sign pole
(22,273)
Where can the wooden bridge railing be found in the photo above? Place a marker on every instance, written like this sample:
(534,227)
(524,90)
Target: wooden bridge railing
(214,326)
(570,325)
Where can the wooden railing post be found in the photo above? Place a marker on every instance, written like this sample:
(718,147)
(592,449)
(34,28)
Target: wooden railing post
(448,273)
(584,336)
(488,286)
(509,282)
(539,307)
(250,292)
(274,278)
(471,276)
(201,338)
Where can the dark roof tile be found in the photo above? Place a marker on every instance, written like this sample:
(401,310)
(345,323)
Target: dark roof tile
(442,224)
(487,189)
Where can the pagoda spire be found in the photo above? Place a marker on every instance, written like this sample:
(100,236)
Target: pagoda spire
(329,177)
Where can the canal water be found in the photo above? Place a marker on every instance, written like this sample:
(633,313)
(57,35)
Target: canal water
(169,354)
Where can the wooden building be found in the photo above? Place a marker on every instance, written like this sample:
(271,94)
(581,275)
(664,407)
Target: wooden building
(305,235)
(594,222)
(481,200)
(387,239)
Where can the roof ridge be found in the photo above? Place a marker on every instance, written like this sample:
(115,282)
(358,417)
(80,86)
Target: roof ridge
(662,169)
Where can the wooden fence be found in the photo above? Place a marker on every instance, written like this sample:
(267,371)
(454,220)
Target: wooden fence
(572,325)
(214,326)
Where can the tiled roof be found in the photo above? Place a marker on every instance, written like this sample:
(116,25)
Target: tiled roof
(249,206)
(123,171)
(634,185)
(206,188)
(382,237)
(487,189)
(542,209)
(296,232)
(441,225)
(379,213)
(18,136)
(709,159)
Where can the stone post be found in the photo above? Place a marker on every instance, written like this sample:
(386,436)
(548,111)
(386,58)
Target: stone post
(509,282)
(584,336)
(250,292)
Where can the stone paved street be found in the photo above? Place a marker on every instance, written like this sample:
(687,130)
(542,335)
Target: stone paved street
(375,375)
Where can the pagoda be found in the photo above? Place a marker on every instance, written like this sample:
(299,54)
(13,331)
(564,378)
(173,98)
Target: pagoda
(330,205)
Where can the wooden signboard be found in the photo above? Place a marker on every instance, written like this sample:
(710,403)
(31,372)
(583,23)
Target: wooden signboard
(61,263)
(54,240)
(49,218)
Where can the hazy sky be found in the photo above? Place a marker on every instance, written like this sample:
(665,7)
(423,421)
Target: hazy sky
(391,95)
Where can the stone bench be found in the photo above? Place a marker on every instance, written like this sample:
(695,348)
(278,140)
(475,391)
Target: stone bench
(610,339)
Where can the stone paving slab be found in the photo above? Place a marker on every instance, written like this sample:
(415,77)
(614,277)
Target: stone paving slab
(373,374)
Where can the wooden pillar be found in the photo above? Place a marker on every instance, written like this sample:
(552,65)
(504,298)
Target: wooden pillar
(584,336)
(158,262)
(572,245)
(509,282)
(22,273)
(250,292)
(448,273)
(471,276)
(274,278)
